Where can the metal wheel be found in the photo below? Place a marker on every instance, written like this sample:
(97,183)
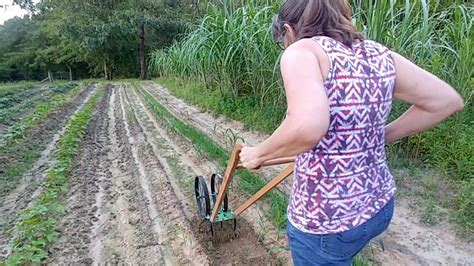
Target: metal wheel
(202,197)
(216,182)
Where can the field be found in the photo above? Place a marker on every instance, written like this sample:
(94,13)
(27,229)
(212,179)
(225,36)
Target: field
(104,173)
(120,191)
(101,171)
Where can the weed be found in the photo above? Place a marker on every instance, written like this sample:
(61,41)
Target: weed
(429,215)
(465,201)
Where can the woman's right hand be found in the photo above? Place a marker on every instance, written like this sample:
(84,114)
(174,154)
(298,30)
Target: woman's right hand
(432,99)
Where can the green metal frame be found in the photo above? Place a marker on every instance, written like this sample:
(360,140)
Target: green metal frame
(222,215)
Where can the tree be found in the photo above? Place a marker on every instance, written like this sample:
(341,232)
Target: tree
(112,37)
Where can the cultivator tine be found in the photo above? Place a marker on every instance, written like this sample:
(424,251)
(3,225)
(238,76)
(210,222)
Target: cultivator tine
(219,188)
(211,228)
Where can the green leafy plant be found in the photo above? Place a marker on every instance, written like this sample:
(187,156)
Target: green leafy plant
(36,228)
(19,148)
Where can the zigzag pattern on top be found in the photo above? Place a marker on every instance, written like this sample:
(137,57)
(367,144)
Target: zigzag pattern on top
(345,180)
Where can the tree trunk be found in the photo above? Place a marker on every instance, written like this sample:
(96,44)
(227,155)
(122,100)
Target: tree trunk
(50,76)
(70,73)
(197,6)
(141,51)
(105,70)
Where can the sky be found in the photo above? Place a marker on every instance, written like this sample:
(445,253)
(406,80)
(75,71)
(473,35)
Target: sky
(8,10)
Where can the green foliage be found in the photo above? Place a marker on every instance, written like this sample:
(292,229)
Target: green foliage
(248,182)
(223,53)
(24,99)
(89,37)
(36,228)
(440,39)
(19,148)
(9,89)
(262,118)
(465,199)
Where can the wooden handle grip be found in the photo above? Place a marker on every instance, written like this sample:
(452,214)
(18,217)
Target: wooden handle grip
(275,162)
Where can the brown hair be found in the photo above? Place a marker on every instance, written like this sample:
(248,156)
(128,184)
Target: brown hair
(309,18)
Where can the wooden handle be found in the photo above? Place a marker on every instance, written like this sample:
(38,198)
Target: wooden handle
(233,164)
(229,174)
(273,183)
(274,162)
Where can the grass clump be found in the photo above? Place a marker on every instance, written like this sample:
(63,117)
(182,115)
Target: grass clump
(36,228)
(248,182)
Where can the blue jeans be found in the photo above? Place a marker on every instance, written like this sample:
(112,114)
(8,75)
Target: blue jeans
(340,248)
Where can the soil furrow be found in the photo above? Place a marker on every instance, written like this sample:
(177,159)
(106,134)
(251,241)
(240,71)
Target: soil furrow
(181,165)
(107,217)
(175,232)
(114,237)
(85,180)
(139,150)
(24,193)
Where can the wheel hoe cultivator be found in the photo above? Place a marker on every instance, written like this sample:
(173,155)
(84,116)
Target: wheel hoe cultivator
(214,207)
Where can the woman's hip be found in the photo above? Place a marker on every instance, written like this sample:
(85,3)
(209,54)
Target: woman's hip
(337,248)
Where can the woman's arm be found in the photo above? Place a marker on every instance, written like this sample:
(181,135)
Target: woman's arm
(432,99)
(307,118)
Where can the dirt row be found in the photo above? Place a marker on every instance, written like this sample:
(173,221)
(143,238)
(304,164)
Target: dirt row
(131,197)
(407,242)
(27,186)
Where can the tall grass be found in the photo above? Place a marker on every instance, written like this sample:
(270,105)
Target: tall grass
(231,54)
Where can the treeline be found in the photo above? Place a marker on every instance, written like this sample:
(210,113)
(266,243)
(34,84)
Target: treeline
(90,38)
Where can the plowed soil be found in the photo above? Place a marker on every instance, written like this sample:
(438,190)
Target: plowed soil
(131,198)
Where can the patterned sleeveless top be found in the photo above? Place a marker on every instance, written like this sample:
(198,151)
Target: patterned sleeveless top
(344,180)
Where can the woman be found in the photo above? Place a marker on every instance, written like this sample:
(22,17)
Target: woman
(339,89)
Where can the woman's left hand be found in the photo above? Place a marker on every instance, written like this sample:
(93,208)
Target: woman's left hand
(250,158)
